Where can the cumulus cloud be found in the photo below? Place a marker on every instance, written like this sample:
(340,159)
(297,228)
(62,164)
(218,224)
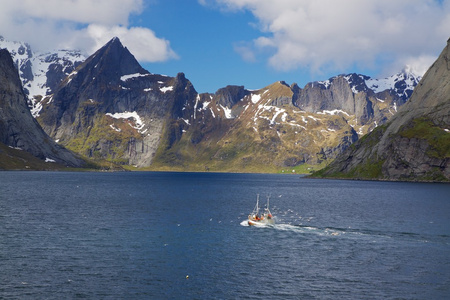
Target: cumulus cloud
(325,35)
(81,24)
(141,41)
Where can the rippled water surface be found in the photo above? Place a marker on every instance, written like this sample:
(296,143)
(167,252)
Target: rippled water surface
(139,235)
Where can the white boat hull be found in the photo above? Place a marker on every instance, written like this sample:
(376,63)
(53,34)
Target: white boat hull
(261,222)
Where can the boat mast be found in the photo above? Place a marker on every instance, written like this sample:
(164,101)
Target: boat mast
(256,209)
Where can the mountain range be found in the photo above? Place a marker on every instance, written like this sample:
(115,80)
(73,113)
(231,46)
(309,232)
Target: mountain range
(107,107)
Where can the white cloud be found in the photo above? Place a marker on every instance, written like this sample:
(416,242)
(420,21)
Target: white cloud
(83,24)
(326,35)
(244,49)
(417,65)
(108,12)
(142,42)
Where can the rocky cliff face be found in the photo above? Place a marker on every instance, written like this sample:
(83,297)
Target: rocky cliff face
(371,101)
(18,129)
(241,130)
(283,126)
(112,108)
(415,144)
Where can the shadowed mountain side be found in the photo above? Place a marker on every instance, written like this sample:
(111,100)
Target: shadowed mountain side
(111,108)
(18,129)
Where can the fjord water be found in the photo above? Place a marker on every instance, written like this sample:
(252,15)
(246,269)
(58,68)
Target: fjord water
(139,235)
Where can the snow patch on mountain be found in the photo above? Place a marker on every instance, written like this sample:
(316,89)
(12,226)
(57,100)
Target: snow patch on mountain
(227,112)
(197,99)
(131,76)
(166,89)
(325,83)
(255,98)
(356,82)
(138,124)
(332,112)
(205,104)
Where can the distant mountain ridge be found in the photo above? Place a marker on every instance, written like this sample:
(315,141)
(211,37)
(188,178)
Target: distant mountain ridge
(108,107)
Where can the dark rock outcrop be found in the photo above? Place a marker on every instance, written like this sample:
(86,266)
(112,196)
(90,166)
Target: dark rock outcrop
(18,129)
(230,95)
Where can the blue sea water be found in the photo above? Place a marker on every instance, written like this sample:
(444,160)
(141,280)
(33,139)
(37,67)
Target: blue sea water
(139,235)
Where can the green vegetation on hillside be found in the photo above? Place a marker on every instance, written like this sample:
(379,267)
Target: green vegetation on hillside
(438,139)
(15,159)
(370,168)
(89,143)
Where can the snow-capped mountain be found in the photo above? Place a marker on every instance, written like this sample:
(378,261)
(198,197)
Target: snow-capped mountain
(41,72)
(110,108)
(402,84)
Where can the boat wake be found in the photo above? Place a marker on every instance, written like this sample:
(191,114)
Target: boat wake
(311,230)
(334,232)
(296,228)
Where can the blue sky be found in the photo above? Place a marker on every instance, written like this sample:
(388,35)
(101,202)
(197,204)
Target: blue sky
(204,38)
(243,42)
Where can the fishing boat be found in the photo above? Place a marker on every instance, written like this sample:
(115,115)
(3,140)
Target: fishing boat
(255,219)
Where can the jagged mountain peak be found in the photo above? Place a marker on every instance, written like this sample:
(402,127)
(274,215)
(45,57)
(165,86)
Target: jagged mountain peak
(401,84)
(114,45)
(111,107)
(357,82)
(114,61)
